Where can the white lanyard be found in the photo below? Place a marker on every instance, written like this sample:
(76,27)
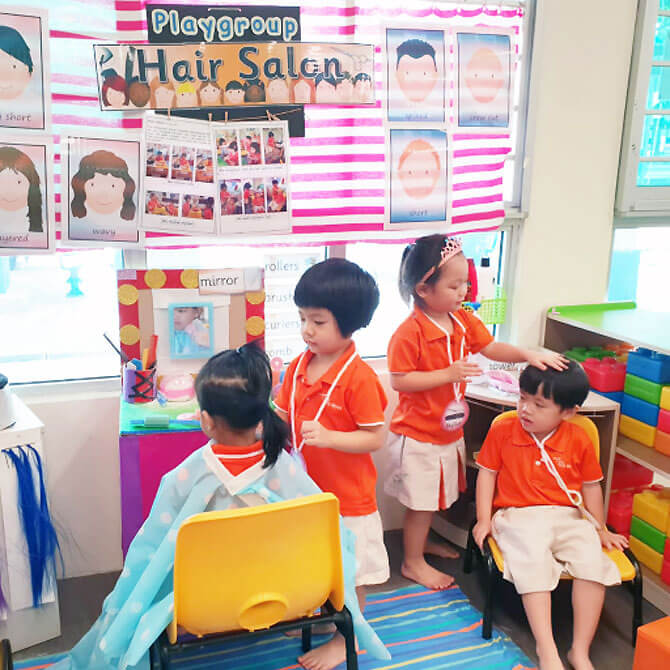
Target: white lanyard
(457,385)
(323,404)
(575,497)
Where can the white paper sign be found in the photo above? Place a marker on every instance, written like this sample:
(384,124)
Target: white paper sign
(222,281)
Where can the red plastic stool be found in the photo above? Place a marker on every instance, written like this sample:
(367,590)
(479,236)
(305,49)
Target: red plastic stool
(652,651)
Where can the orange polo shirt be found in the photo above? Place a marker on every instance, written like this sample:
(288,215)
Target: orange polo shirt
(523,480)
(357,401)
(418,344)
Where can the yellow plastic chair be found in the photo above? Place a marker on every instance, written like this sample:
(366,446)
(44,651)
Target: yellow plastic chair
(257,569)
(629,568)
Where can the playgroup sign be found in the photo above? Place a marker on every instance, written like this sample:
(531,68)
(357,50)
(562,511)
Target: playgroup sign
(167,23)
(166,76)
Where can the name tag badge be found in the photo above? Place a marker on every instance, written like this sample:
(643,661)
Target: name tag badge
(455,415)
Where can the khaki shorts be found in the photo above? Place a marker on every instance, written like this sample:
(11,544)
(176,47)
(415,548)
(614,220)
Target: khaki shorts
(539,542)
(419,471)
(372,561)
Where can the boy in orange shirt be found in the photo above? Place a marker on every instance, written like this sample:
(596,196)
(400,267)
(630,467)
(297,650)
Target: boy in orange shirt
(541,475)
(335,404)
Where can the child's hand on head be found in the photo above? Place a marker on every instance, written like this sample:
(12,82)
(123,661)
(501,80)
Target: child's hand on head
(611,540)
(545,359)
(463,370)
(315,434)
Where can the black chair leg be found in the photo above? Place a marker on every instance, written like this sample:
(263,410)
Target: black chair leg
(345,624)
(6,662)
(487,624)
(637,589)
(469,551)
(306,638)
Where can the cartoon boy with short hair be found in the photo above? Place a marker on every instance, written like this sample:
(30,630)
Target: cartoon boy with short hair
(416,69)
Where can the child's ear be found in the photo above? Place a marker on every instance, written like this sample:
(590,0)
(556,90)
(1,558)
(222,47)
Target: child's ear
(569,413)
(422,289)
(206,422)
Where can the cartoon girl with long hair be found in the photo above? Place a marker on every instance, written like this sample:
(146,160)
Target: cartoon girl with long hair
(103,193)
(20,193)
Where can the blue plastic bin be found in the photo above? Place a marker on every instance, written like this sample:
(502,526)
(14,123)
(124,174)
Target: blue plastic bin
(649,365)
(640,409)
(617,396)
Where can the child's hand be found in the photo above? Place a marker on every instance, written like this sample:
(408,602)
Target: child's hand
(462,370)
(611,540)
(545,359)
(315,434)
(481,530)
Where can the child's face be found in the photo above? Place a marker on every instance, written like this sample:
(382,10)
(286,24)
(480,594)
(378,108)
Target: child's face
(104,193)
(277,91)
(484,75)
(540,415)
(302,92)
(320,331)
(235,96)
(187,99)
(116,98)
(325,93)
(182,316)
(14,188)
(164,96)
(14,76)
(416,77)
(448,292)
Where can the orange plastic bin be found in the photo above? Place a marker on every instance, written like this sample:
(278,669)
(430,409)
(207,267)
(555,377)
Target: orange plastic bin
(652,651)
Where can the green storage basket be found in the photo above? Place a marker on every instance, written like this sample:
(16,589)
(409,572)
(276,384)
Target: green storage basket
(493,311)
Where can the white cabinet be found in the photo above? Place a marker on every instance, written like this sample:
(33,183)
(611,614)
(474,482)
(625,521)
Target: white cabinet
(26,626)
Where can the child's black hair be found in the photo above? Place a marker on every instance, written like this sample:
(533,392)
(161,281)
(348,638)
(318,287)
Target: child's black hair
(417,259)
(415,49)
(567,388)
(235,386)
(343,288)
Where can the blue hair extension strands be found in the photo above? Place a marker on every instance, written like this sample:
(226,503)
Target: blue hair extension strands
(40,534)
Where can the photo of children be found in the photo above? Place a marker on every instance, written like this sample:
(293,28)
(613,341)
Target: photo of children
(415,75)
(273,141)
(160,203)
(418,176)
(23,197)
(484,82)
(23,70)
(251,150)
(182,163)
(104,178)
(157,160)
(191,330)
(230,197)
(227,149)
(253,196)
(204,166)
(276,194)
(197,207)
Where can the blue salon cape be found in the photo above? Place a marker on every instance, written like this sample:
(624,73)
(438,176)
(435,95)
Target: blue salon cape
(140,607)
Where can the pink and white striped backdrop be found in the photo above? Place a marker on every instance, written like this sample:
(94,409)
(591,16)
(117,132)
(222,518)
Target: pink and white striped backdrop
(338,169)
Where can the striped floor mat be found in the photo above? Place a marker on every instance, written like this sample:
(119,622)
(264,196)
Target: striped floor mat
(421,628)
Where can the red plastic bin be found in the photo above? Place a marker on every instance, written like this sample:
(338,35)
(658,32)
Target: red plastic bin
(664,420)
(606,375)
(627,474)
(620,511)
(665,571)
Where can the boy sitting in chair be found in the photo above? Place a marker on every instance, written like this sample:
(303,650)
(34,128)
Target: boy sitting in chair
(540,473)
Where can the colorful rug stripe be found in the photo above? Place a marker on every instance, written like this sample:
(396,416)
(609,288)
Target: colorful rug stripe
(423,629)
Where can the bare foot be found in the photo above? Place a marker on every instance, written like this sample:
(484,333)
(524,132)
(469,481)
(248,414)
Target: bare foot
(579,661)
(422,573)
(317,629)
(440,549)
(327,656)
(550,660)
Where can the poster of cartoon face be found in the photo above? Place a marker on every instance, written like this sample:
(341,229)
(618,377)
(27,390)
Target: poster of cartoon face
(104,186)
(25,199)
(415,75)
(418,176)
(484,80)
(24,65)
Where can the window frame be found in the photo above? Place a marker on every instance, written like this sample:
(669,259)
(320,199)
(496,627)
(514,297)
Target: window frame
(633,200)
